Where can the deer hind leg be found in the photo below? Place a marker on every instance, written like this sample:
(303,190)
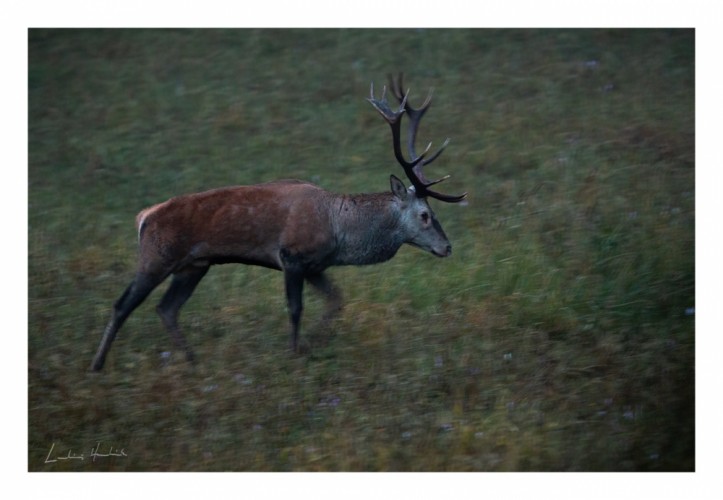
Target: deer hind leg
(134,295)
(331,293)
(182,286)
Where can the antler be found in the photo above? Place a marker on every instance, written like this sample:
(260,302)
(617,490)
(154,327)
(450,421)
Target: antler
(413,167)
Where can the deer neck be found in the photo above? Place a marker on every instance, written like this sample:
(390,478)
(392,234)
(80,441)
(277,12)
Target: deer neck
(367,228)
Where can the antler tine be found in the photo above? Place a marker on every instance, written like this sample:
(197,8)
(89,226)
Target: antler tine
(382,105)
(413,167)
(432,183)
(418,169)
(371,97)
(439,152)
(415,115)
(395,122)
(446,197)
(396,86)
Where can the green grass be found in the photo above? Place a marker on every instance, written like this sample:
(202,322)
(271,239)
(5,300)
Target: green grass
(558,336)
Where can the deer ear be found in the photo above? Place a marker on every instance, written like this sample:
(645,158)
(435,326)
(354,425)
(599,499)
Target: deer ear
(398,188)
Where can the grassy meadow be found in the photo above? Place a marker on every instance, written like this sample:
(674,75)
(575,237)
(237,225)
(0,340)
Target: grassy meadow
(559,336)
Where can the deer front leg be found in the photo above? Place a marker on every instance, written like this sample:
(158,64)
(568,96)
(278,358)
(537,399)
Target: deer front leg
(294,281)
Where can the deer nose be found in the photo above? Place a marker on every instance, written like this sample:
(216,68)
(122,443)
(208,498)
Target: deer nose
(446,252)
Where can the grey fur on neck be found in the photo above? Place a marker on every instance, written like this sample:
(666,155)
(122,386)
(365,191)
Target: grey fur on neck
(367,228)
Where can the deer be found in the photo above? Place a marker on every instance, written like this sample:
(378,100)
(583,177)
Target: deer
(291,226)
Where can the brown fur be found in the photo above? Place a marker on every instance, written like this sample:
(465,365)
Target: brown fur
(251,222)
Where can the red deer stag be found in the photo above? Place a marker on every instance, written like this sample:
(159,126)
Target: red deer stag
(291,226)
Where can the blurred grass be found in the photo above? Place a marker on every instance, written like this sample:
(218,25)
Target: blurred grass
(558,337)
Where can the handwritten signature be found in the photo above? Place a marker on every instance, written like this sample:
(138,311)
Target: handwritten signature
(95,454)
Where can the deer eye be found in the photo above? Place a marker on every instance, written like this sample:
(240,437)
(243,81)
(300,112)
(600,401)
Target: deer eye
(425,217)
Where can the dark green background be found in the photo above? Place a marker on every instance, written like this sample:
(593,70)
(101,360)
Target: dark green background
(559,335)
